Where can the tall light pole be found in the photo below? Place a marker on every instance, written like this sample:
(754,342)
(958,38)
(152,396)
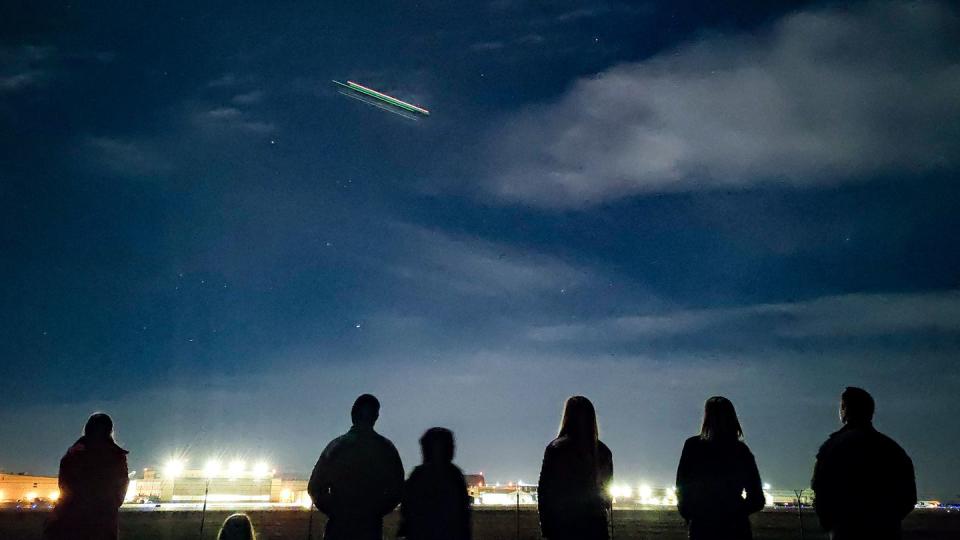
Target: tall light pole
(799,493)
(210,471)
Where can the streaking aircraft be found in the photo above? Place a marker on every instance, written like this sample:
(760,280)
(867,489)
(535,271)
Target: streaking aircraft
(381,100)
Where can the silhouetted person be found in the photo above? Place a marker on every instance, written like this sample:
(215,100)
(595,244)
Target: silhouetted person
(358,478)
(237,527)
(574,478)
(863,481)
(716,467)
(93,483)
(435,504)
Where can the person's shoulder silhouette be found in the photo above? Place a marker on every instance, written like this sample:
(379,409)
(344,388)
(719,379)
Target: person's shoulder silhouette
(435,503)
(358,477)
(93,483)
(859,459)
(572,495)
(716,469)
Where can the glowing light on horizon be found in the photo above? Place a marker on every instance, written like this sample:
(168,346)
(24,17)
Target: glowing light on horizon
(212,468)
(261,470)
(174,468)
(236,468)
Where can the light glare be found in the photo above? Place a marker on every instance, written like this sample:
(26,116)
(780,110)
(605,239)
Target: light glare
(212,468)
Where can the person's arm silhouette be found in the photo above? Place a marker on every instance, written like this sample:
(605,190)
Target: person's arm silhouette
(320,486)
(121,479)
(755,500)
(906,485)
(547,491)
(393,481)
(686,487)
(821,483)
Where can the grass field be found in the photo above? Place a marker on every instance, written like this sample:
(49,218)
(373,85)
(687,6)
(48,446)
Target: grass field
(488,525)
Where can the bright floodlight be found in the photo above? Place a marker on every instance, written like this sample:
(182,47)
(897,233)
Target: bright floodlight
(261,470)
(237,467)
(212,468)
(173,468)
(645,492)
(766,486)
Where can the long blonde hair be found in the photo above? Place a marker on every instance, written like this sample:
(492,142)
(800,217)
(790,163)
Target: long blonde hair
(237,527)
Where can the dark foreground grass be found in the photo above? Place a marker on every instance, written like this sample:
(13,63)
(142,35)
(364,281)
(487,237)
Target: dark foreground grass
(488,525)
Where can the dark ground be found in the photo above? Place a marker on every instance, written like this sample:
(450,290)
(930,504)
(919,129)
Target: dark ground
(488,525)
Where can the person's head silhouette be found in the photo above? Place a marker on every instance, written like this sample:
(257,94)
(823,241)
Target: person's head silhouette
(856,406)
(99,428)
(437,445)
(579,422)
(720,422)
(237,527)
(365,411)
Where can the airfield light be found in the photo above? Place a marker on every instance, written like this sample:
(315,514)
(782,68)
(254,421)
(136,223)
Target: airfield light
(212,468)
(173,468)
(237,467)
(645,492)
(261,470)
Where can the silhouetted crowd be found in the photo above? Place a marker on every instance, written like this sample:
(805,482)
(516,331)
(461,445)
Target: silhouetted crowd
(359,479)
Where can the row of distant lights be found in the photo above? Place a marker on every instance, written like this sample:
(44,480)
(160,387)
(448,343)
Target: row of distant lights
(214,469)
(645,492)
(31,495)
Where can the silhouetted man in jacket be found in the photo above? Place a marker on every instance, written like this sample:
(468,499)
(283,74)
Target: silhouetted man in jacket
(358,478)
(863,481)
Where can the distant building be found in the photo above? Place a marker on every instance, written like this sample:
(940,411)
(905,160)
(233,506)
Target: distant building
(241,486)
(24,487)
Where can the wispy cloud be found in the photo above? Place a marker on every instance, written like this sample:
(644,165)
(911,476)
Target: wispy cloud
(850,315)
(822,97)
(24,67)
(233,119)
(487,46)
(125,157)
(468,265)
(248,98)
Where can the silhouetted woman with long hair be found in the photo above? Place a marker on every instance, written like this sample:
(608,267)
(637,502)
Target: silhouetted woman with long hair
(237,527)
(93,483)
(576,472)
(716,469)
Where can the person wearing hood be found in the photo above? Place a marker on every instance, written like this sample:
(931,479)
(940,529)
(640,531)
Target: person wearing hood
(93,483)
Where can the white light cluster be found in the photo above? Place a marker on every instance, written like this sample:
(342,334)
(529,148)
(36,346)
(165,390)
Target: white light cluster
(213,468)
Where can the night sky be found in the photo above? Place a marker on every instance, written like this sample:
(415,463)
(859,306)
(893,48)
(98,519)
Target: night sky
(645,203)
